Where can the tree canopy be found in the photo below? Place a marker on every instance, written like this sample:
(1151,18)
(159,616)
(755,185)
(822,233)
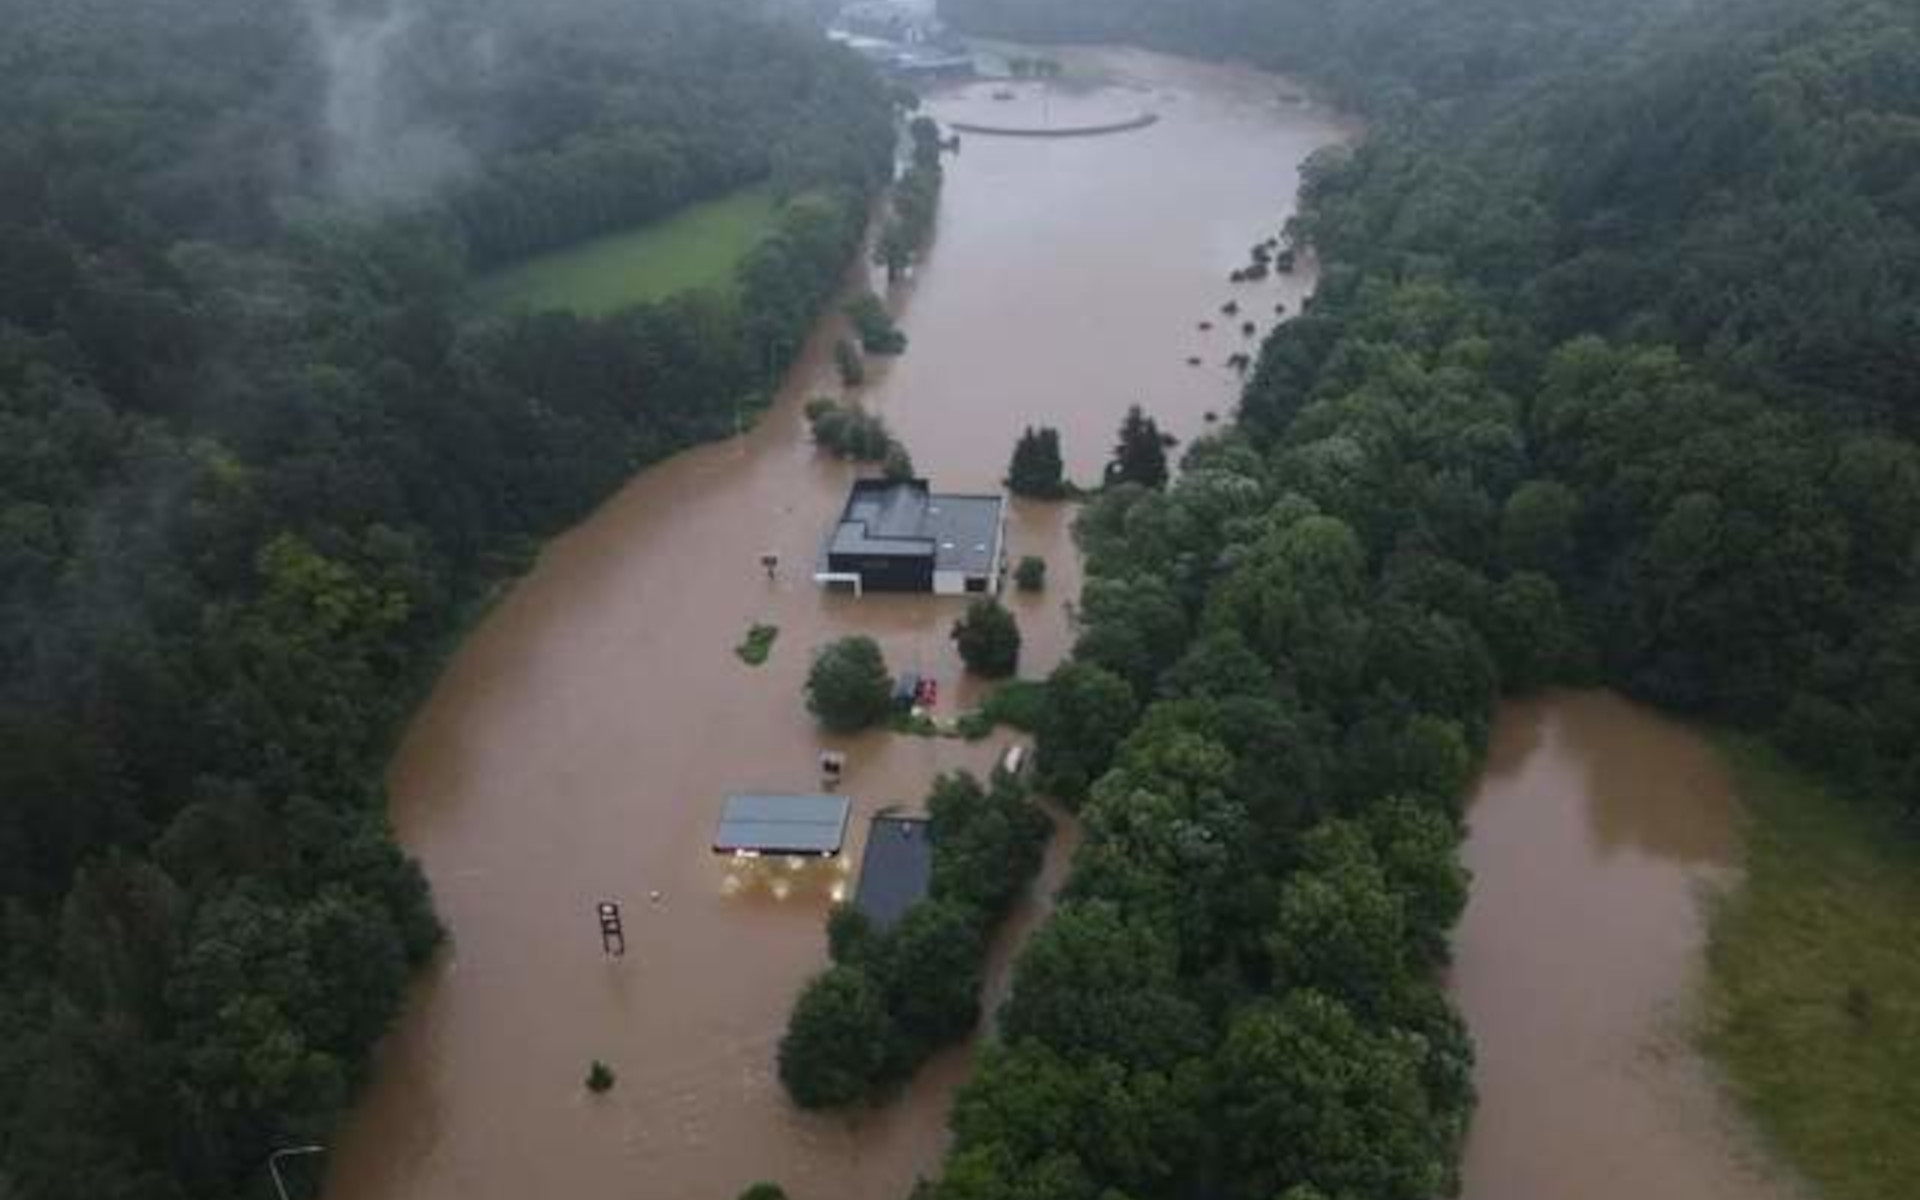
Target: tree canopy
(257,456)
(848,687)
(1140,457)
(988,639)
(905,991)
(1608,377)
(1037,469)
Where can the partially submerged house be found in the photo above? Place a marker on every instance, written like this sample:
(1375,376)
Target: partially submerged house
(897,868)
(782,825)
(903,537)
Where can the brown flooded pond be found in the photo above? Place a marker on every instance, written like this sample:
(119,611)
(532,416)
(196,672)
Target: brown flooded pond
(1597,834)
(580,743)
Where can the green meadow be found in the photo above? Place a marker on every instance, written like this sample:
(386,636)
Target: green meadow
(698,247)
(1814,982)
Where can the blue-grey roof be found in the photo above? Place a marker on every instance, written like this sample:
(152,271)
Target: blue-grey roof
(897,868)
(783,824)
(904,519)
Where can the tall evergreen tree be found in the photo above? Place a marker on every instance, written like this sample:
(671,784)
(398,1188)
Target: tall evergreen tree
(1141,455)
(1037,469)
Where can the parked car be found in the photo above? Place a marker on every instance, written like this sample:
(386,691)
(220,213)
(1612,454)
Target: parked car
(906,690)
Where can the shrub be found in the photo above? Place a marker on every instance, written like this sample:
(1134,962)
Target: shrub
(1031,574)
(600,1078)
(757,645)
(846,356)
(878,333)
(897,465)
(1020,703)
(848,431)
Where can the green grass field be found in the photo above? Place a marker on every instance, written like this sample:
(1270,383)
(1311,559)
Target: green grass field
(1814,982)
(697,247)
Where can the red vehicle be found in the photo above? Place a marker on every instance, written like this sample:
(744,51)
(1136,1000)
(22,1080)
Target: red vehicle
(929,693)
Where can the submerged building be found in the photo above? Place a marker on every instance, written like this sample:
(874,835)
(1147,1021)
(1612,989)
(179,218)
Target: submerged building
(803,826)
(896,871)
(903,537)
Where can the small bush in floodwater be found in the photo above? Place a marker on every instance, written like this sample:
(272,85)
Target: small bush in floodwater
(846,356)
(757,645)
(1031,574)
(600,1078)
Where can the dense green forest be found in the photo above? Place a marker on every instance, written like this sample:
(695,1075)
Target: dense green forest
(1609,378)
(255,464)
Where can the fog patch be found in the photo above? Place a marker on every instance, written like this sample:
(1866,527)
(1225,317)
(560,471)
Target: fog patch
(379,151)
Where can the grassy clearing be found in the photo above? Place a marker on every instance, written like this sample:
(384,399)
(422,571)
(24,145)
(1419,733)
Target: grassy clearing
(697,247)
(757,645)
(1815,982)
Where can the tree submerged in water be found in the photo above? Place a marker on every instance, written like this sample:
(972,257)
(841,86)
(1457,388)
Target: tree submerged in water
(989,639)
(1037,470)
(846,357)
(848,688)
(1141,455)
(849,431)
(878,333)
(1031,574)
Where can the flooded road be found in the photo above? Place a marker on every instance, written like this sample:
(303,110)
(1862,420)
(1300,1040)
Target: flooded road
(1597,832)
(580,743)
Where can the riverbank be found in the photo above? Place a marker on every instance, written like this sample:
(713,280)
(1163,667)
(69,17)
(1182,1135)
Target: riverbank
(1814,980)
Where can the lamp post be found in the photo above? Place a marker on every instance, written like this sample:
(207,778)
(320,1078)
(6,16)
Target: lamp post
(273,1163)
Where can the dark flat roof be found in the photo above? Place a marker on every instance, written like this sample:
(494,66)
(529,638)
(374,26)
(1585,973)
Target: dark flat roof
(961,533)
(897,868)
(769,824)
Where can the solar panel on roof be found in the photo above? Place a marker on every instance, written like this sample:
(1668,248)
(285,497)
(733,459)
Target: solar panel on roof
(777,824)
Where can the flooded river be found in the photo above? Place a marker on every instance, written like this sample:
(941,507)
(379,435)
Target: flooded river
(580,743)
(1597,832)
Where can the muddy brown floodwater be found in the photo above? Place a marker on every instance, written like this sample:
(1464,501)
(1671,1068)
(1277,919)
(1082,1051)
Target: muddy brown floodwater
(1597,832)
(580,742)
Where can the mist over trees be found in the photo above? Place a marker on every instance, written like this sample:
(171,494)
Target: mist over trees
(1610,376)
(255,460)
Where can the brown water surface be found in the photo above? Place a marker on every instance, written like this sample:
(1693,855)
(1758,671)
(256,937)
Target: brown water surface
(1596,835)
(580,742)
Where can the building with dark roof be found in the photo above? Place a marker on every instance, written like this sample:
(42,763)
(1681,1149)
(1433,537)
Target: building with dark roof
(901,537)
(897,868)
